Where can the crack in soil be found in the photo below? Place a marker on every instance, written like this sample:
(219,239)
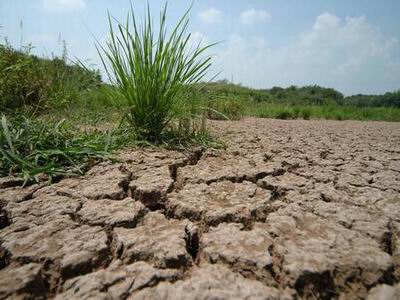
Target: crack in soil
(305,146)
(115,248)
(192,240)
(316,286)
(5,257)
(4,218)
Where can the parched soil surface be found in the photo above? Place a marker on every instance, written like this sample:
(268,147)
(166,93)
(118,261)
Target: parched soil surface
(289,210)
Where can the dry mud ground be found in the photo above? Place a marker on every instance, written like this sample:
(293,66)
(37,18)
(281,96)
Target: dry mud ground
(290,210)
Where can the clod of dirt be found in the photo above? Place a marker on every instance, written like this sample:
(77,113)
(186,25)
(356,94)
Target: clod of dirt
(281,184)
(385,180)
(384,292)
(18,194)
(41,210)
(123,213)
(220,202)
(317,174)
(151,186)
(244,251)
(150,158)
(157,240)
(212,282)
(390,204)
(75,249)
(220,168)
(101,182)
(366,221)
(118,281)
(312,250)
(23,282)
(394,166)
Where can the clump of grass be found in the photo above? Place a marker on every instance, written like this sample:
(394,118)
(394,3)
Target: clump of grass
(151,71)
(33,148)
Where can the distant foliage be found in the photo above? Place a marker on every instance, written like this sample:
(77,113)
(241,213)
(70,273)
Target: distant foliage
(386,100)
(313,95)
(26,80)
(224,109)
(307,95)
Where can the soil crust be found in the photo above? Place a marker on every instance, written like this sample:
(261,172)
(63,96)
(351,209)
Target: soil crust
(288,210)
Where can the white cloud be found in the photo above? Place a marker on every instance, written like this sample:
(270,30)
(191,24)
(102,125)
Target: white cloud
(348,54)
(63,5)
(197,38)
(252,16)
(211,16)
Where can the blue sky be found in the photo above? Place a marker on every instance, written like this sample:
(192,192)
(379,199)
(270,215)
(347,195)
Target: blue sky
(350,45)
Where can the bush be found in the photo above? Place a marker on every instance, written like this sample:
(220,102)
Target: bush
(152,71)
(26,80)
(22,80)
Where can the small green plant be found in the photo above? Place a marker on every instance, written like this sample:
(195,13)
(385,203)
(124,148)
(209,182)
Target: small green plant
(32,148)
(152,70)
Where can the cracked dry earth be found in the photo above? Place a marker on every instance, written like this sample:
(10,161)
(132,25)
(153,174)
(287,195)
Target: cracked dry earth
(289,210)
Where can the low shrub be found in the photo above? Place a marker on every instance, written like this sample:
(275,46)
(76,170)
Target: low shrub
(26,80)
(22,80)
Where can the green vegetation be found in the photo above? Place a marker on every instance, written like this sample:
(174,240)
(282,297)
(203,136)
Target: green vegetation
(40,84)
(36,147)
(310,102)
(58,118)
(152,71)
(329,112)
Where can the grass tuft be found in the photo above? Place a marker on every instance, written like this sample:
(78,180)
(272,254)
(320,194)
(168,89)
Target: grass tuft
(151,70)
(33,148)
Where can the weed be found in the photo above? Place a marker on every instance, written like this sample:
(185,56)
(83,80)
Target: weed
(152,70)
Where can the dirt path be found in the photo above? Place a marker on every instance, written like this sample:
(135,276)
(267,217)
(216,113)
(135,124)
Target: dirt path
(291,209)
